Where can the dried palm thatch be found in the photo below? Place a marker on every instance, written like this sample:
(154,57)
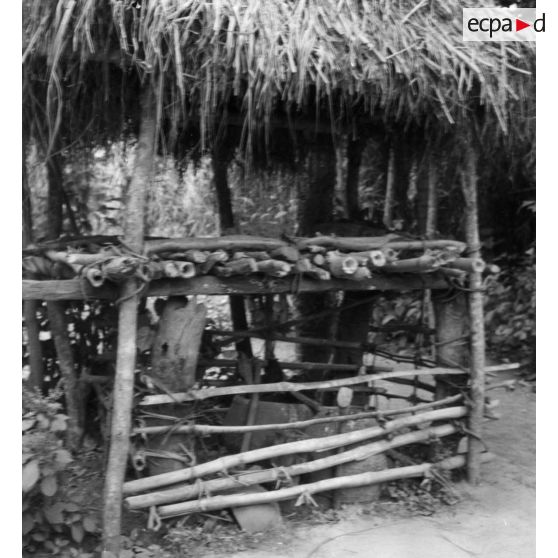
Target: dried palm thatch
(251,62)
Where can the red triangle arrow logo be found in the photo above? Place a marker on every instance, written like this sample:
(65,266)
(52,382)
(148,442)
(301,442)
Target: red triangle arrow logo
(520,24)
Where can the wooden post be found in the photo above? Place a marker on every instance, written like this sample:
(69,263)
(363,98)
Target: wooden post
(127,326)
(469,186)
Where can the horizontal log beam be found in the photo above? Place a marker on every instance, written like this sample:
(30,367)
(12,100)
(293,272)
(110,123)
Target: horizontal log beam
(286,387)
(78,289)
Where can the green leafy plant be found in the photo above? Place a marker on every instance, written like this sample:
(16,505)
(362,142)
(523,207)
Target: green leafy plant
(50,522)
(510,308)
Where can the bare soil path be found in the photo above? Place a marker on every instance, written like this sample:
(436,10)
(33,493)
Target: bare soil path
(494,520)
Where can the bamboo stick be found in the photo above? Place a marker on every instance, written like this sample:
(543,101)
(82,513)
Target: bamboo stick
(471,265)
(303,265)
(318,273)
(319,260)
(317,366)
(358,244)
(274,268)
(219,256)
(185,269)
(340,265)
(240,242)
(252,408)
(170,270)
(350,481)
(205,429)
(194,256)
(191,491)
(95,277)
(287,253)
(373,258)
(285,387)
(412,265)
(231,242)
(300,446)
(242,266)
(361,274)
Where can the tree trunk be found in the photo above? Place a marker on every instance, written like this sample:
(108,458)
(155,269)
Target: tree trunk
(353,324)
(56,310)
(355,148)
(55,202)
(316,206)
(65,355)
(220,162)
(35,378)
(476,316)
(449,307)
(127,328)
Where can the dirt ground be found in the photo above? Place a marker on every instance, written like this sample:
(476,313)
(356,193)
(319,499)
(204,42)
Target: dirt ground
(493,520)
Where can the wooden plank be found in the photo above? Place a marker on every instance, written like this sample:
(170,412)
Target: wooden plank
(79,289)
(176,347)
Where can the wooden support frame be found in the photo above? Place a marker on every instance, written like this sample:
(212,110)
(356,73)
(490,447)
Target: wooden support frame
(127,330)
(80,289)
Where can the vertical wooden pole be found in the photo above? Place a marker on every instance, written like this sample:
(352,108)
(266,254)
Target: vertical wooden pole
(469,186)
(127,327)
(430,225)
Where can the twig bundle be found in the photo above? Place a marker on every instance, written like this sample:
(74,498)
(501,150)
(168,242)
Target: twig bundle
(321,258)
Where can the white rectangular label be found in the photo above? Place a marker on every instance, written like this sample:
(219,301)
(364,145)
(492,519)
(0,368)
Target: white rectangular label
(502,24)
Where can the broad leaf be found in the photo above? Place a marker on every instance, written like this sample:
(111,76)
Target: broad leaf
(54,513)
(26,424)
(31,473)
(63,457)
(89,524)
(77,532)
(49,485)
(27,523)
(59,423)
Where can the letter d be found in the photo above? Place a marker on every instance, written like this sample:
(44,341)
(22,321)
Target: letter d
(542,23)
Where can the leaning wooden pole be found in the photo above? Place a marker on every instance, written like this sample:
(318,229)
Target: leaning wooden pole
(127,325)
(469,186)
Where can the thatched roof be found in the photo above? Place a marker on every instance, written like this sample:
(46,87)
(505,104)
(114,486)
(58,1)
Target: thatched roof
(400,61)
